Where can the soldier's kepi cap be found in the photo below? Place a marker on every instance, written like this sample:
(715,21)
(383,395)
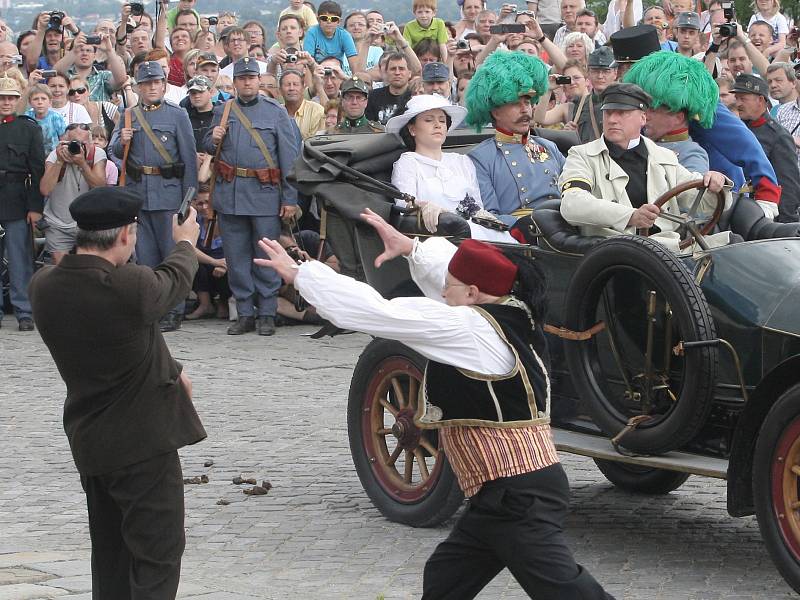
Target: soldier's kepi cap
(10,87)
(632,43)
(687,20)
(435,71)
(246,66)
(105,208)
(354,84)
(624,96)
(199,83)
(602,58)
(750,84)
(148,71)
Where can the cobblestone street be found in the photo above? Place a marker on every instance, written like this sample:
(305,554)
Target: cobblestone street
(274,409)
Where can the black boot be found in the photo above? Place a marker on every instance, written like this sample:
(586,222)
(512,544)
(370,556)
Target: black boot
(170,322)
(242,325)
(266,325)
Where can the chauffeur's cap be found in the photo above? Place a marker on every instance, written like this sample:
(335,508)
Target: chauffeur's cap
(105,208)
(246,66)
(750,84)
(632,43)
(624,96)
(148,71)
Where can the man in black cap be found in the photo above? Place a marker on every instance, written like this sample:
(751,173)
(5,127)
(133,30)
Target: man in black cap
(155,142)
(436,79)
(602,73)
(752,102)
(128,407)
(608,185)
(256,143)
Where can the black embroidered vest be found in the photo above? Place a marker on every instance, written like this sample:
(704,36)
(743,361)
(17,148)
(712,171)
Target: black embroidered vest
(454,396)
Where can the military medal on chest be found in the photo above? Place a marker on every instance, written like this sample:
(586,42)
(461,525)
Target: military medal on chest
(536,152)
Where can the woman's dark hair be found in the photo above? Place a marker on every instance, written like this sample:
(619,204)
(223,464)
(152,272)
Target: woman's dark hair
(427,46)
(408,139)
(22,37)
(531,286)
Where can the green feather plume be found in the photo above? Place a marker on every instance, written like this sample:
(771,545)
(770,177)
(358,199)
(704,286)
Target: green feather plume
(679,83)
(501,79)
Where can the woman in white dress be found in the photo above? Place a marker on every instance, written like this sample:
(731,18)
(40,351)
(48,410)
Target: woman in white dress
(440,181)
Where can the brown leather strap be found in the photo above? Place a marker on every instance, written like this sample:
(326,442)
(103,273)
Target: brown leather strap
(212,225)
(575,336)
(126,150)
(254,134)
(148,131)
(595,128)
(577,114)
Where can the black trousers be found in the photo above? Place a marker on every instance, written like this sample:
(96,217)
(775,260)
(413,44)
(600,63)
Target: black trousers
(515,522)
(136,526)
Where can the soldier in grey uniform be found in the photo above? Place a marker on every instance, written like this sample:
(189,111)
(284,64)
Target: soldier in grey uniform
(161,164)
(589,117)
(258,143)
(354,93)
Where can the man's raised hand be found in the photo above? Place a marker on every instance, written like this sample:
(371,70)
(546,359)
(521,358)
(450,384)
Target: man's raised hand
(394,243)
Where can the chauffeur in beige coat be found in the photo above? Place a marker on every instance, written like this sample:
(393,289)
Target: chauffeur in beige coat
(608,185)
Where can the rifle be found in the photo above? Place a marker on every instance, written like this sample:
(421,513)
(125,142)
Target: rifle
(212,222)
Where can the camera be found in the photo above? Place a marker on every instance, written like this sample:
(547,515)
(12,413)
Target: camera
(130,26)
(291,58)
(728,12)
(462,45)
(93,40)
(56,19)
(48,73)
(74,147)
(213,20)
(16,59)
(386,29)
(727,30)
(504,28)
(563,80)
(137,9)
(328,72)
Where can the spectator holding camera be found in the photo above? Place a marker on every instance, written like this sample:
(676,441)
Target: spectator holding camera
(79,62)
(573,82)
(45,50)
(75,166)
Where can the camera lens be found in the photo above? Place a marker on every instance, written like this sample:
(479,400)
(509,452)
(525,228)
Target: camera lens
(328,72)
(74,147)
(213,20)
(462,45)
(292,58)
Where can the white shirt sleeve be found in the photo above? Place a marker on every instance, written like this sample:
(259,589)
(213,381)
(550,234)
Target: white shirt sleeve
(453,335)
(404,176)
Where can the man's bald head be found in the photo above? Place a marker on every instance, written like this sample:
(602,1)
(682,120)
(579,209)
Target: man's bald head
(7,53)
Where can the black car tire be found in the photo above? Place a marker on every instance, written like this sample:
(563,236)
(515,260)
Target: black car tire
(777,451)
(692,316)
(639,479)
(426,507)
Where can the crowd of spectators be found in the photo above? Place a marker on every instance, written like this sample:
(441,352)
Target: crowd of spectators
(345,73)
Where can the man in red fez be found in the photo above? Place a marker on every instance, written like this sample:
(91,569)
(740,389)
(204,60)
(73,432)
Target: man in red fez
(486,389)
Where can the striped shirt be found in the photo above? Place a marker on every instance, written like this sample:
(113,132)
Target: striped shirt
(788,115)
(481,454)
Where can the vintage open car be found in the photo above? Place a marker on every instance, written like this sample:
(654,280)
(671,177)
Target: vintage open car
(662,365)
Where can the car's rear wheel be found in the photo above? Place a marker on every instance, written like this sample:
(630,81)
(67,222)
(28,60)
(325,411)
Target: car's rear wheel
(649,303)
(776,484)
(403,468)
(639,479)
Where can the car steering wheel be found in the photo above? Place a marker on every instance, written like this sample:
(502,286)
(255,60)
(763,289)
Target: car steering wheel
(687,220)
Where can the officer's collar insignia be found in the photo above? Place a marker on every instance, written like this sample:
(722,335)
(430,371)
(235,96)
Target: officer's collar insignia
(8,119)
(154,106)
(506,137)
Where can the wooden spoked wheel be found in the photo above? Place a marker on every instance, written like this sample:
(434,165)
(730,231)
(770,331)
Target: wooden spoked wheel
(786,486)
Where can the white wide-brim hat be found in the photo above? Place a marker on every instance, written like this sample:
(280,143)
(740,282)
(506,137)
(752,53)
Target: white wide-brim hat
(420,104)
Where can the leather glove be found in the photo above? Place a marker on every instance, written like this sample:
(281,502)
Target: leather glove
(430,215)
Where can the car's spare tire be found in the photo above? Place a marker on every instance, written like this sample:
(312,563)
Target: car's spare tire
(615,282)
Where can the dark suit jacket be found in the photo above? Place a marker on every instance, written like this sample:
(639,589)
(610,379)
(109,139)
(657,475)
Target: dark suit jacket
(124,402)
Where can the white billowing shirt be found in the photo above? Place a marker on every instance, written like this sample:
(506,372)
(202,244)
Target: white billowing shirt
(445,183)
(73,113)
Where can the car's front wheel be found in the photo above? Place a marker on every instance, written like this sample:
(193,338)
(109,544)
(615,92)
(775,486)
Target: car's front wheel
(776,484)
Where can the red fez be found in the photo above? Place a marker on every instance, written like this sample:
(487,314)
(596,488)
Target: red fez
(484,266)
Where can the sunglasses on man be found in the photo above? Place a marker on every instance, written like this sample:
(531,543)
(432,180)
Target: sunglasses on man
(329,18)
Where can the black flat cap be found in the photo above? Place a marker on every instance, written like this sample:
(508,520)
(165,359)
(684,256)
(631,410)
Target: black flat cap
(624,96)
(750,84)
(105,208)
(632,43)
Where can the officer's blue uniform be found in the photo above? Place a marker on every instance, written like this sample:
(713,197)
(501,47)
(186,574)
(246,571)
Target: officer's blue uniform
(690,154)
(249,210)
(510,178)
(162,197)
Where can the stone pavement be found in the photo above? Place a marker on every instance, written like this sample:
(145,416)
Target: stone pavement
(275,408)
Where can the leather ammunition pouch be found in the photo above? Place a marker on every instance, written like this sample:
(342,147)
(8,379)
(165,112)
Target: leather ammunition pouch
(173,170)
(264,176)
(225,171)
(133,170)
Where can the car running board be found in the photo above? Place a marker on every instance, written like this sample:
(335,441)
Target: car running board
(596,446)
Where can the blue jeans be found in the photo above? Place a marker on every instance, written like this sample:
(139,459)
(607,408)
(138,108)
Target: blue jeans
(18,252)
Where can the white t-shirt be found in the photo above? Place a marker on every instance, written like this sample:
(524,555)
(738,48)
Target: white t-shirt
(73,113)
(444,183)
(72,184)
(262,66)
(175,94)
(779,24)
